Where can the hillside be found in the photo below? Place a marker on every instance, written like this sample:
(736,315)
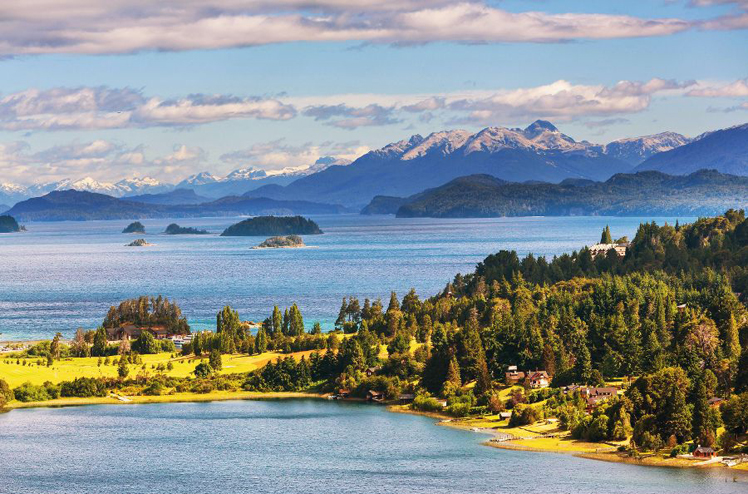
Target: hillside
(644,193)
(78,206)
(177,196)
(723,150)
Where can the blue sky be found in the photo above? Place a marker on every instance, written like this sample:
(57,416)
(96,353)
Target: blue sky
(124,75)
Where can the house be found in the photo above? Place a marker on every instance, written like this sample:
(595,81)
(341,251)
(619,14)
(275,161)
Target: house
(513,376)
(377,396)
(681,307)
(344,393)
(160,332)
(538,379)
(593,396)
(126,331)
(704,452)
(715,402)
(406,398)
(505,415)
(602,249)
(371,371)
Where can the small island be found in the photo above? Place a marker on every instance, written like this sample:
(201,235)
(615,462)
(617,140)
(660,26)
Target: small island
(8,224)
(287,242)
(175,229)
(272,225)
(134,227)
(139,243)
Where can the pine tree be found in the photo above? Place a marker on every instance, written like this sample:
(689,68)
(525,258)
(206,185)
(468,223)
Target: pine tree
(483,382)
(606,238)
(99,343)
(261,341)
(340,321)
(215,360)
(277,322)
(394,303)
(54,347)
(122,369)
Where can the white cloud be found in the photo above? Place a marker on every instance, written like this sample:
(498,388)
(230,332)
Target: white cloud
(279,155)
(116,108)
(120,26)
(737,89)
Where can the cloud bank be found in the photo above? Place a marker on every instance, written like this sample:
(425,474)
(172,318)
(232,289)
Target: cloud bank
(37,27)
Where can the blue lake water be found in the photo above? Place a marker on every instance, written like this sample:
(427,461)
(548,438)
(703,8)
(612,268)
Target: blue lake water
(59,276)
(304,446)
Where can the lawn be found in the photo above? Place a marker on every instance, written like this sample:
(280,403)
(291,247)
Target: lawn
(71,368)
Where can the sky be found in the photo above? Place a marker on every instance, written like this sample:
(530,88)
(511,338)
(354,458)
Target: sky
(132,88)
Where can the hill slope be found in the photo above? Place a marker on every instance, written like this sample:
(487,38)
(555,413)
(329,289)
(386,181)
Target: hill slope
(643,193)
(723,150)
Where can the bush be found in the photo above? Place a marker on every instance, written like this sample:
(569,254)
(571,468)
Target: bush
(524,415)
(168,346)
(6,394)
(459,409)
(426,403)
(203,370)
(83,387)
(27,392)
(155,389)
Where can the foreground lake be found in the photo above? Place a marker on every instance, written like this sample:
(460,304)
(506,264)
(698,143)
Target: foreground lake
(59,276)
(295,446)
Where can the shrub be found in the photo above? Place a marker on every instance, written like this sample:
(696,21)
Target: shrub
(27,392)
(524,415)
(426,403)
(83,387)
(203,370)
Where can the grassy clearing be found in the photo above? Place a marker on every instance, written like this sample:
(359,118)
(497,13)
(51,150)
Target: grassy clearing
(69,369)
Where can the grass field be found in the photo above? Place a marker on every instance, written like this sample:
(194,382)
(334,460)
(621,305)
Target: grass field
(69,369)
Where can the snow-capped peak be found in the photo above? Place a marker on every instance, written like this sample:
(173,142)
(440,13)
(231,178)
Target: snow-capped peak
(201,178)
(249,173)
(634,150)
(445,142)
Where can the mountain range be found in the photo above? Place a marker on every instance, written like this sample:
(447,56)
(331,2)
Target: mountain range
(539,153)
(705,192)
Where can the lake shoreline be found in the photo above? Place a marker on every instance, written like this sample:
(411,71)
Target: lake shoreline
(444,420)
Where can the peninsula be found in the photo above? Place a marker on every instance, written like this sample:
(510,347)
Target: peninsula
(8,224)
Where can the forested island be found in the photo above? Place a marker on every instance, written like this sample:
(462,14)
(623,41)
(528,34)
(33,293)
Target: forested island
(8,224)
(289,241)
(631,352)
(134,227)
(174,229)
(647,193)
(272,225)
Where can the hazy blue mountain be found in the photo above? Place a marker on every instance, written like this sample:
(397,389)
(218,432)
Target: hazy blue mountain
(723,150)
(79,205)
(538,152)
(4,208)
(177,196)
(704,192)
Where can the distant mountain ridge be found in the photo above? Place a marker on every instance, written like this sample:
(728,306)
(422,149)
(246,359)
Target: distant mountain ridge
(538,152)
(76,205)
(640,194)
(725,150)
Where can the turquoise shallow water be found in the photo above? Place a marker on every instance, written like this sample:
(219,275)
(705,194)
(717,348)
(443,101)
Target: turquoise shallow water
(60,276)
(305,446)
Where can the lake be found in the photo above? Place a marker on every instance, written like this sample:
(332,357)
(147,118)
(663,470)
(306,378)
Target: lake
(59,276)
(295,446)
